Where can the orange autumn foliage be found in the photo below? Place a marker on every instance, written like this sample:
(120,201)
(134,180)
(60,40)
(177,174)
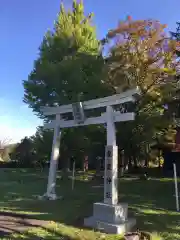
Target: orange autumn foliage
(141,54)
(141,28)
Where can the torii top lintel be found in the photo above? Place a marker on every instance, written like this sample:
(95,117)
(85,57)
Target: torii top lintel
(116,99)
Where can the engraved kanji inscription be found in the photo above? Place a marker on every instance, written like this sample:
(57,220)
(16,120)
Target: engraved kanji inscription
(109,154)
(122,109)
(108,180)
(108,195)
(108,166)
(78,112)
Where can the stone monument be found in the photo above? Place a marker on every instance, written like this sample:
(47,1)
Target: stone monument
(110,216)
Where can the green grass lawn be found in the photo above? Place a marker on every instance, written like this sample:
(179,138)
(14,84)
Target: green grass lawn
(151,202)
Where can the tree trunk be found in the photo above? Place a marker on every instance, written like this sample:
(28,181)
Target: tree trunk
(135,161)
(68,164)
(159,158)
(147,155)
(121,164)
(130,163)
(98,165)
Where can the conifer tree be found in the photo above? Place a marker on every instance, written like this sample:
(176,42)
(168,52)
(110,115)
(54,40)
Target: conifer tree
(70,63)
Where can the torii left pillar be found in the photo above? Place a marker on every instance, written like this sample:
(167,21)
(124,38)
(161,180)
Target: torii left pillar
(110,216)
(51,186)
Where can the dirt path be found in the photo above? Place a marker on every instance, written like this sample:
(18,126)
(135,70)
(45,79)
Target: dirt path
(17,223)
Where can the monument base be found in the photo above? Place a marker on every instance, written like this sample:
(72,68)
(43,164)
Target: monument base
(50,197)
(110,218)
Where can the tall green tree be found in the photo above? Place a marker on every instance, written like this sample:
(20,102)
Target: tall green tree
(69,66)
(23,152)
(42,146)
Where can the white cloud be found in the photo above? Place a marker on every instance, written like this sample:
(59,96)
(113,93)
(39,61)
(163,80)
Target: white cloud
(15,134)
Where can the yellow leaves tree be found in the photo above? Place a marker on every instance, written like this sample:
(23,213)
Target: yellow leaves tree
(4,149)
(141,54)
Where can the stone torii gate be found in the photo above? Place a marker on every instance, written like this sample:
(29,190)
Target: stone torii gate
(109,216)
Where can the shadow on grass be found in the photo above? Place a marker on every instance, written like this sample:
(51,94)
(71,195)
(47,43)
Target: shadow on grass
(151,202)
(21,226)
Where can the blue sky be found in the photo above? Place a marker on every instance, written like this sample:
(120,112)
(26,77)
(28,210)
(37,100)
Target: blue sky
(23,24)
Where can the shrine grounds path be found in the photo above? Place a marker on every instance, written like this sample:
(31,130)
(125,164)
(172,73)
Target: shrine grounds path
(23,216)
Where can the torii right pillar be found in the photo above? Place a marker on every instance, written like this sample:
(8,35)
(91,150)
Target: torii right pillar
(110,216)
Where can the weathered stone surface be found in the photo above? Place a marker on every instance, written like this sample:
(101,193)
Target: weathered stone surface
(109,227)
(110,213)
